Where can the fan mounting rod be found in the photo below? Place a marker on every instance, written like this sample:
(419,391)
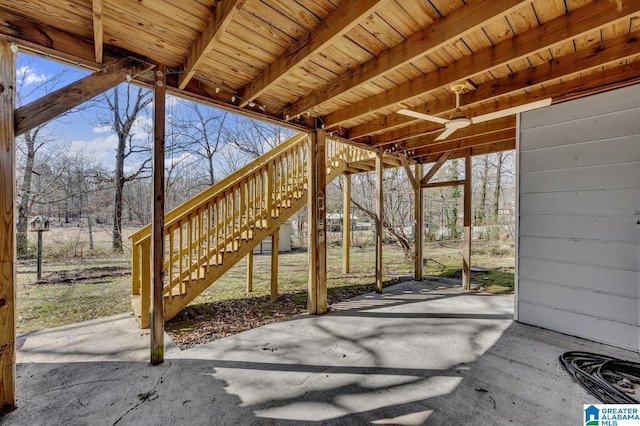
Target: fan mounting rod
(457,88)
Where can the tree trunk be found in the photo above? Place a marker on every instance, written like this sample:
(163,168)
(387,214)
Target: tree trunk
(24,208)
(496,194)
(117,205)
(482,210)
(90,226)
(455,196)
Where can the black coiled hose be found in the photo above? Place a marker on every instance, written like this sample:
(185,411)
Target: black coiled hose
(611,380)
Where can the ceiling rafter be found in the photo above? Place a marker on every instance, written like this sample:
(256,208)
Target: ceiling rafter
(217,25)
(566,27)
(605,53)
(467,141)
(336,25)
(97,30)
(488,148)
(456,25)
(472,130)
(40,38)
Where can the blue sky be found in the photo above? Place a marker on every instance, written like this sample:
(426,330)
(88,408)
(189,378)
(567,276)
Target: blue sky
(81,131)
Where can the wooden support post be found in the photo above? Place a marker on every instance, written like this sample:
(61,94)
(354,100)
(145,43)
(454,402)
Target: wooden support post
(346,224)
(419,223)
(7,229)
(379,214)
(466,250)
(274,264)
(157,224)
(317,218)
(250,272)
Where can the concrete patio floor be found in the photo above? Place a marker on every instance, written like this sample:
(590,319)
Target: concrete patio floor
(421,353)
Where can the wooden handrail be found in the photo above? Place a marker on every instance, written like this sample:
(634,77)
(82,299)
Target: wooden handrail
(209,233)
(198,199)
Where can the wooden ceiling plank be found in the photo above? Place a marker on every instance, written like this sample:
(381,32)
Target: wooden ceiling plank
(222,17)
(335,26)
(98,30)
(609,52)
(434,169)
(596,15)
(55,103)
(44,39)
(459,23)
(590,58)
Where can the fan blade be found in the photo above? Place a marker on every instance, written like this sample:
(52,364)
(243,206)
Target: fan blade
(445,134)
(423,116)
(511,111)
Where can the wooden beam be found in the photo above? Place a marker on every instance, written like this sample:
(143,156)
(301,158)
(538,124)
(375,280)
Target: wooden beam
(443,183)
(468,142)
(475,102)
(316,191)
(603,54)
(434,169)
(489,148)
(429,139)
(312,202)
(55,103)
(275,241)
(337,24)
(346,223)
(584,20)
(379,218)
(454,26)
(250,272)
(157,213)
(97,30)
(217,25)
(8,280)
(407,169)
(419,224)
(43,39)
(466,249)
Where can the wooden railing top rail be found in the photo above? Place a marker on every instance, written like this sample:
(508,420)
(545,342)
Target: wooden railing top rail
(211,191)
(208,193)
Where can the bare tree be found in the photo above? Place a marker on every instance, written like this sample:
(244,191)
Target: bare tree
(255,137)
(123,115)
(396,212)
(31,85)
(204,134)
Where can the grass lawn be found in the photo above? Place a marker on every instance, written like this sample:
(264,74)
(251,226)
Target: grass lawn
(82,289)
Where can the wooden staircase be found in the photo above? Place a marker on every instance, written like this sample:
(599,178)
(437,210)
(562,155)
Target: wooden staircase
(208,234)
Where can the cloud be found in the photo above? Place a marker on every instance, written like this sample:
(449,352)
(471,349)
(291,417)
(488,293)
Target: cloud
(101,148)
(30,76)
(102,129)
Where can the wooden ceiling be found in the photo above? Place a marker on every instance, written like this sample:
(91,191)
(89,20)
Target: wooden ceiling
(349,66)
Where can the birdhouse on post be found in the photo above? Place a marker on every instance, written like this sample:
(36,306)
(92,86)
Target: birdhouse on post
(39,224)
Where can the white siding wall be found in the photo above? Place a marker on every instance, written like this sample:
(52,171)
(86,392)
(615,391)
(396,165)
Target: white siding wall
(579,207)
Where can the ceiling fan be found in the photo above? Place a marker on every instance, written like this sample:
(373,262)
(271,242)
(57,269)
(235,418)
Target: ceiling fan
(459,121)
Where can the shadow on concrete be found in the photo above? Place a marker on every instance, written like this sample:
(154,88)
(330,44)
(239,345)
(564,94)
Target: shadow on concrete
(418,354)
